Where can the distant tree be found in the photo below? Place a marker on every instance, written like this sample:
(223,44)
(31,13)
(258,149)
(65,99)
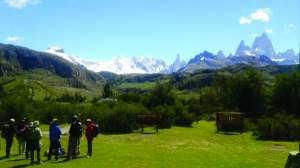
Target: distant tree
(162,94)
(286,94)
(107,91)
(244,92)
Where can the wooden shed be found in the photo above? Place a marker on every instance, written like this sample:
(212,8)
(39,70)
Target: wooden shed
(230,122)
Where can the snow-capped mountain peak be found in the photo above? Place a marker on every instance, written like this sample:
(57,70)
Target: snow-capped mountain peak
(177,64)
(118,65)
(242,49)
(56,50)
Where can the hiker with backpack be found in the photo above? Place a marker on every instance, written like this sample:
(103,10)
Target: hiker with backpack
(20,132)
(54,133)
(91,132)
(8,133)
(34,137)
(75,134)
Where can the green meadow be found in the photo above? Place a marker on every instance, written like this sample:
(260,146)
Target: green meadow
(199,146)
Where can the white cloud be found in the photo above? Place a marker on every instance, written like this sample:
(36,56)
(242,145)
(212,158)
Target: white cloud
(269,31)
(13,39)
(245,20)
(263,15)
(19,4)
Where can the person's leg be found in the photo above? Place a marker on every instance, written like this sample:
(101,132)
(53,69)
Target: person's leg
(31,154)
(23,146)
(38,153)
(91,146)
(9,142)
(73,148)
(27,149)
(57,150)
(69,149)
(19,145)
(89,153)
(50,151)
(77,149)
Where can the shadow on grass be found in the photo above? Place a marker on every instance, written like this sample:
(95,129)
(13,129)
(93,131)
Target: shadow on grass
(15,160)
(229,133)
(149,133)
(21,166)
(69,160)
(3,157)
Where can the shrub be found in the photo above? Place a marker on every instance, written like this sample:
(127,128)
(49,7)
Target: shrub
(183,119)
(278,127)
(166,115)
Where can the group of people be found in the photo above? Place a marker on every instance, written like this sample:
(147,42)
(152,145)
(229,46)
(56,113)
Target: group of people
(29,137)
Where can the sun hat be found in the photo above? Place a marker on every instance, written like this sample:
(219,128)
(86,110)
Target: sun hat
(36,123)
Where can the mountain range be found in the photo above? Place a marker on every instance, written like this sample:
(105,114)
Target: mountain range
(261,53)
(133,65)
(55,59)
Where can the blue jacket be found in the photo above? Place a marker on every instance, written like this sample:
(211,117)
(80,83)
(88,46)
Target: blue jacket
(54,132)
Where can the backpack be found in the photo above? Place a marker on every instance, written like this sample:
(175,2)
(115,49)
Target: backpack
(35,134)
(76,130)
(4,131)
(96,130)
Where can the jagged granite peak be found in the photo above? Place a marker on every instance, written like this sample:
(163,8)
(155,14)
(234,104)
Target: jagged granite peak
(262,45)
(177,64)
(221,54)
(286,58)
(202,57)
(242,49)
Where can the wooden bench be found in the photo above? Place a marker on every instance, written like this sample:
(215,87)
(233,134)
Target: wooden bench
(149,120)
(230,122)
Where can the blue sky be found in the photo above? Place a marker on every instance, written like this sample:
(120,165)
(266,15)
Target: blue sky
(103,29)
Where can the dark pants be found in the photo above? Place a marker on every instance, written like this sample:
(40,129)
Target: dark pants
(27,148)
(21,142)
(35,146)
(9,142)
(90,148)
(54,149)
(72,147)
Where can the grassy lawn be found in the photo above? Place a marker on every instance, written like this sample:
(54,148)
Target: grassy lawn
(144,85)
(186,94)
(178,147)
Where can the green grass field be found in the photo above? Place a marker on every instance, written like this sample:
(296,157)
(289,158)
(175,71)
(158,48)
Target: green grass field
(144,85)
(199,146)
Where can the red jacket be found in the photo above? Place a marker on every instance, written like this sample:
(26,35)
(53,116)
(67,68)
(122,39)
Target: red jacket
(89,131)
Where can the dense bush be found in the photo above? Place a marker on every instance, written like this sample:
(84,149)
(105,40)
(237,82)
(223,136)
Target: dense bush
(244,92)
(278,127)
(72,98)
(286,94)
